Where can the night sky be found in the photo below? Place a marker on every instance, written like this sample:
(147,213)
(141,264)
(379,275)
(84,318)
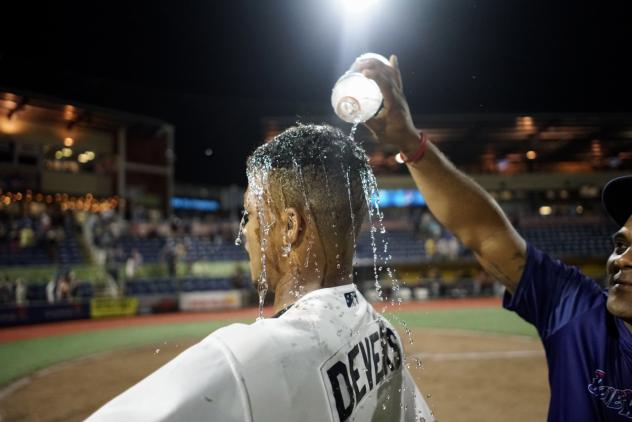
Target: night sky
(215,68)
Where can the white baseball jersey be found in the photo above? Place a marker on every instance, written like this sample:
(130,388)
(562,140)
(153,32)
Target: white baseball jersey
(330,357)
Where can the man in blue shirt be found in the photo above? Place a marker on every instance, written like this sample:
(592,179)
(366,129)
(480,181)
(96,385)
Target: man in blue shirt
(586,331)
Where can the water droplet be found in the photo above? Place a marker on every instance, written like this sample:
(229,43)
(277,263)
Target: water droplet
(262,288)
(286,249)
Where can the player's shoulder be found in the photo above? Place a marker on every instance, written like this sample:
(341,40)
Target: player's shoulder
(243,340)
(198,383)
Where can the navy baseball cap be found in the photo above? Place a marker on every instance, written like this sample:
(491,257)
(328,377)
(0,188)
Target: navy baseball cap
(616,198)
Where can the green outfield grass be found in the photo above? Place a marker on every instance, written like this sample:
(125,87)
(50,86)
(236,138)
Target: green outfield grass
(21,358)
(494,320)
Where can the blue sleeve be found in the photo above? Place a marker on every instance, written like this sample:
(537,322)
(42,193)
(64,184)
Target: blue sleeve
(550,294)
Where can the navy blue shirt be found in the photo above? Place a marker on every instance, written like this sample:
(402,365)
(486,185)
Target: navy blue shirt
(588,350)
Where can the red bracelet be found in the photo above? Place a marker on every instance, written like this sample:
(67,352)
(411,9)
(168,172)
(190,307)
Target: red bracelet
(418,155)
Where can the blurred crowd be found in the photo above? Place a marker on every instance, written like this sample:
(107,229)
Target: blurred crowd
(110,237)
(44,230)
(63,287)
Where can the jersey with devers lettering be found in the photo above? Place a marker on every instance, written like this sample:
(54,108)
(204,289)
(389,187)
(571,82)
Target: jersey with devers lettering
(329,357)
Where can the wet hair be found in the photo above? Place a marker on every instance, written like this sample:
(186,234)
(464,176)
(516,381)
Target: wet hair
(318,170)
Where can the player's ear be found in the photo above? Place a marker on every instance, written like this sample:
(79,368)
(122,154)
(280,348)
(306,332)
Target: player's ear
(293,225)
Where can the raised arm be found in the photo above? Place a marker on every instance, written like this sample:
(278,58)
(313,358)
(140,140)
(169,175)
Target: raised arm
(455,200)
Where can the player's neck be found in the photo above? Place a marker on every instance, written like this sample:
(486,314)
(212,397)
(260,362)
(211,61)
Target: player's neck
(299,281)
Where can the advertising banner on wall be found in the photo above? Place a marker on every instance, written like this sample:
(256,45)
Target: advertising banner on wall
(37,313)
(112,307)
(210,301)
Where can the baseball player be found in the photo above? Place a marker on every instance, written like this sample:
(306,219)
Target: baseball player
(586,331)
(325,354)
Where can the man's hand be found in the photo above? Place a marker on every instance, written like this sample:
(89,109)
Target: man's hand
(481,225)
(393,124)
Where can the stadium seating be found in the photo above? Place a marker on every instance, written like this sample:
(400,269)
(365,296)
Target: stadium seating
(68,253)
(198,249)
(167,286)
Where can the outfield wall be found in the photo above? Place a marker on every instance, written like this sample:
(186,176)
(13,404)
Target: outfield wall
(100,307)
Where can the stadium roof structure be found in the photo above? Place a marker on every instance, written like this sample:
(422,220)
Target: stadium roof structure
(50,145)
(46,109)
(555,137)
(564,142)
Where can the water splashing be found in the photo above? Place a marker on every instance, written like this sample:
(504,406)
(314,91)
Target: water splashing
(310,242)
(242,224)
(262,289)
(369,193)
(376,222)
(257,183)
(353,224)
(353,131)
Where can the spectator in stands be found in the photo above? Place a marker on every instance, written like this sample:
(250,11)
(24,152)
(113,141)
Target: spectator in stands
(6,291)
(428,227)
(54,237)
(443,247)
(20,292)
(63,291)
(113,262)
(74,284)
(44,221)
(51,290)
(170,256)
(27,236)
(586,331)
(134,261)
(483,284)
(430,247)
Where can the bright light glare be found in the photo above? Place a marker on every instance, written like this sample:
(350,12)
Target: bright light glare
(545,210)
(355,6)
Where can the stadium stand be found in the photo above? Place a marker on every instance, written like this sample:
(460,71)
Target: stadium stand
(38,241)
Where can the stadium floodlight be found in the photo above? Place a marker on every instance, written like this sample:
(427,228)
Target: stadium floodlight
(356,6)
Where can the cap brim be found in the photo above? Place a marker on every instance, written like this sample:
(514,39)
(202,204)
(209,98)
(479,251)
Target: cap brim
(617,199)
